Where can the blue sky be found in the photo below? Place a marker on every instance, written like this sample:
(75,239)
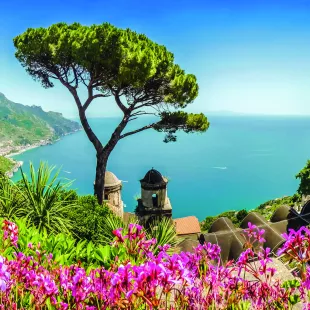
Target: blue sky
(249,56)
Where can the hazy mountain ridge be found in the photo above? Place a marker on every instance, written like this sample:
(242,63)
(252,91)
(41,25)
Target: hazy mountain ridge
(22,125)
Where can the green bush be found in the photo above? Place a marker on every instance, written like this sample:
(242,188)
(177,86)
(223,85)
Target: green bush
(90,219)
(241,215)
(207,223)
(235,216)
(274,204)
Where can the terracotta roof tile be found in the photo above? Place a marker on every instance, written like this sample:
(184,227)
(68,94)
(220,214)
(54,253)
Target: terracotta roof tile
(187,225)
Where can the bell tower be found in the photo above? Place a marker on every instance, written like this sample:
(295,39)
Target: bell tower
(154,202)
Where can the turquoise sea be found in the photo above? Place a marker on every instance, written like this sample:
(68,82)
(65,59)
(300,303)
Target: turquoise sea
(240,162)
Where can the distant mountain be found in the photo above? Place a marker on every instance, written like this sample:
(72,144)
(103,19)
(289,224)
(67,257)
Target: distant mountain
(22,125)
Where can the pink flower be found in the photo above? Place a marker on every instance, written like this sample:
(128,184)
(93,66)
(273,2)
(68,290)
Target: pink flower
(10,231)
(4,274)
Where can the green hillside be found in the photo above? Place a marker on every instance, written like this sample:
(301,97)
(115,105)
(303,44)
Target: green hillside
(5,165)
(22,125)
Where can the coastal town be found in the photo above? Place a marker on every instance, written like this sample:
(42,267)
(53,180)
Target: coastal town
(9,149)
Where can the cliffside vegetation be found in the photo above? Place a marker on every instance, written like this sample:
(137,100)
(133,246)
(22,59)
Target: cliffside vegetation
(267,208)
(22,125)
(304,176)
(235,216)
(5,165)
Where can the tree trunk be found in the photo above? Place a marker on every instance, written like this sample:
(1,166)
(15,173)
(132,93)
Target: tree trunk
(103,153)
(101,167)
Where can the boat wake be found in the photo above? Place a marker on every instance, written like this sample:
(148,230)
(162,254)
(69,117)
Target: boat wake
(221,168)
(67,171)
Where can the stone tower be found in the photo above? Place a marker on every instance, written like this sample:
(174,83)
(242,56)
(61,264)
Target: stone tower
(154,201)
(112,193)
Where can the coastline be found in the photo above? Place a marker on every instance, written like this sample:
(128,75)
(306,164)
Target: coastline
(10,155)
(21,149)
(17,165)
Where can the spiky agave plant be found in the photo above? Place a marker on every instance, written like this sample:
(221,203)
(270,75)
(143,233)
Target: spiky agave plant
(163,230)
(42,205)
(10,199)
(112,222)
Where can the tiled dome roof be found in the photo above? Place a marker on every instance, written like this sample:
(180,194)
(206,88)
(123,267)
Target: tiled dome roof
(153,177)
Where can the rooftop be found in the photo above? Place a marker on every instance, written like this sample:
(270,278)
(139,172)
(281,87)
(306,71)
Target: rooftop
(153,177)
(187,225)
(110,179)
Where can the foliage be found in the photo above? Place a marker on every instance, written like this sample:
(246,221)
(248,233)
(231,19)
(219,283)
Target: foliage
(140,279)
(235,216)
(112,223)
(5,164)
(22,125)
(114,61)
(171,122)
(304,177)
(91,220)
(10,199)
(163,231)
(41,205)
(64,249)
(138,73)
(268,208)
(241,215)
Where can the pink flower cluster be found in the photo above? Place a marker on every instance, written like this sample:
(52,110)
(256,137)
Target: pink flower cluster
(160,281)
(10,232)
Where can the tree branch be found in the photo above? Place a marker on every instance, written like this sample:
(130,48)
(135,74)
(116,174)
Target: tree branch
(137,130)
(145,104)
(90,99)
(120,104)
(89,132)
(135,115)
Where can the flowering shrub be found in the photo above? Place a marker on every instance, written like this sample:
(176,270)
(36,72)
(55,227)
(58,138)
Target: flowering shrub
(140,279)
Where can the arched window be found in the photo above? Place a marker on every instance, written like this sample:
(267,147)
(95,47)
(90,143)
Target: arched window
(155,200)
(106,197)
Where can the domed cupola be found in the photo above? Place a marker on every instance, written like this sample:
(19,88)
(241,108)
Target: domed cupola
(112,193)
(111,180)
(154,201)
(153,180)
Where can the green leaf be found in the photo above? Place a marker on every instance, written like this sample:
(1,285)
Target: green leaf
(294,299)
